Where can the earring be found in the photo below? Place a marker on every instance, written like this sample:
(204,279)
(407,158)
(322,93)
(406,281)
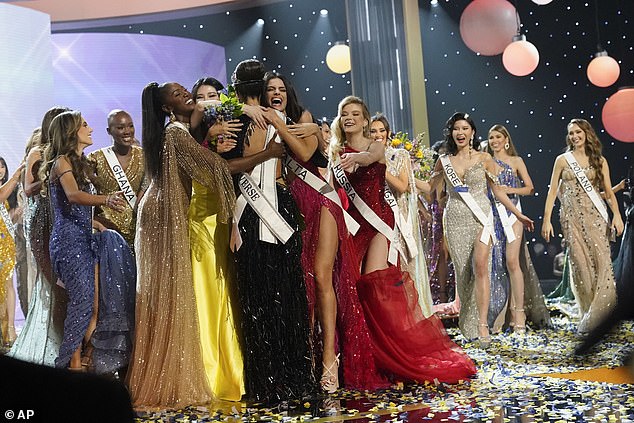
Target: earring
(507,146)
(172,116)
(470,148)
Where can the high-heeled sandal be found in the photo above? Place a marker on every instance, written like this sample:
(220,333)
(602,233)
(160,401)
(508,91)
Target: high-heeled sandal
(330,377)
(518,329)
(11,336)
(86,357)
(484,341)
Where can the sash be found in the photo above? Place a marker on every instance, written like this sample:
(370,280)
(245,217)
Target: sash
(120,176)
(323,188)
(404,224)
(488,230)
(507,221)
(368,214)
(7,220)
(259,190)
(587,185)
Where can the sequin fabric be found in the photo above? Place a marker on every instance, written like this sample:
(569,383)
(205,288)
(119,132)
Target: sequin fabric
(397,161)
(166,369)
(73,259)
(105,183)
(441,290)
(534,305)
(585,232)
(359,371)
(7,264)
(462,230)
(41,335)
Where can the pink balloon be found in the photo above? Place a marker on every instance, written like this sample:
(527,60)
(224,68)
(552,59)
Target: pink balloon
(488,26)
(618,114)
(520,57)
(603,70)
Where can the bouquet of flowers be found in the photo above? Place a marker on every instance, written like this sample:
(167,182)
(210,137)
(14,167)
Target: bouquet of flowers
(422,157)
(227,109)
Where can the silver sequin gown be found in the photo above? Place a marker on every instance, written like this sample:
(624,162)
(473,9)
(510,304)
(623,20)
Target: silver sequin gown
(462,231)
(585,232)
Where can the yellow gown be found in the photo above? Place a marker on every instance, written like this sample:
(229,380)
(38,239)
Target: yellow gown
(213,274)
(7,264)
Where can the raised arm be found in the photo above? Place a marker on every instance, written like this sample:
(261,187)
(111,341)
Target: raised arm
(32,184)
(8,187)
(547,228)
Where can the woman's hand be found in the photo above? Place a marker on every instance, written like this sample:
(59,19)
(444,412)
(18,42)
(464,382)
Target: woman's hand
(18,172)
(547,230)
(115,201)
(225,144)
(303,130)
(256,113)
(349,162)
(98,226)
(617,225)
(225,129)
(275,150)
(527,222)
(271,117)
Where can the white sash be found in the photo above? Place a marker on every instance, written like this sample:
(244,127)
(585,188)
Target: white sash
(120,176)
(7,220)
(507,221)
(404,224)
(259,190)
(488,230)
(368,214)
(587,185)
(323,188)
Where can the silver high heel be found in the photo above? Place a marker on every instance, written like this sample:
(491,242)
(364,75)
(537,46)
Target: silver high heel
(484,341)
(330,377)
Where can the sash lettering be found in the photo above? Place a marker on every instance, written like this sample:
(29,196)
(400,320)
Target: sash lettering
(120,176)
(585,183)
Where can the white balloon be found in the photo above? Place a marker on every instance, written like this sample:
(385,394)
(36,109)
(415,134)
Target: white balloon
(541,2)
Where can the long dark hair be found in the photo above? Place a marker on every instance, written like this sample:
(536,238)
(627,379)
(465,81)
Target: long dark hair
(452,148)
(294,109)
(63,142)
(13,197)
(5,178)
(153,123)
(248,79)
(206,80)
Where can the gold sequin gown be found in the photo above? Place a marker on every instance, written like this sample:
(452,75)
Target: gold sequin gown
(7,263)
(167,368)
(214,278)
(462,231)
(105,183)
(585,232)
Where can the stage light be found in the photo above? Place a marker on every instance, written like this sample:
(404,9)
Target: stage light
(541,2)
(323,12)
(618,114)
(520,57)
(338,58)
(603,70)
(434,3)
(260,21)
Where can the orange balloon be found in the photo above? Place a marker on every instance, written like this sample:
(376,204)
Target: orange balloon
(618,114)
(603,70)
(521,57)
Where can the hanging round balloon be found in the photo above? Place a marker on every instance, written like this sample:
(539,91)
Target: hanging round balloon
(488,26)
(521,57)
(618,114)
(603,70)
(338,58)
(542,2)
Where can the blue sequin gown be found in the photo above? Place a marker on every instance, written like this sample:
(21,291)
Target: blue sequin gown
(534,305)
(74,252)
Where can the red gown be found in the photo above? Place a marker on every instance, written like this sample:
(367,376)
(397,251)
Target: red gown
(406,345)
(359,370)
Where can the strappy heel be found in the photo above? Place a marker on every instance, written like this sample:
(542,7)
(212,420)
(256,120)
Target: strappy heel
(518,329)
(484,341)
(330,377)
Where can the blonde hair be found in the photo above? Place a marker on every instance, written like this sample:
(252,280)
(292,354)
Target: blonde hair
(593,148)
(502,130)
(339,137)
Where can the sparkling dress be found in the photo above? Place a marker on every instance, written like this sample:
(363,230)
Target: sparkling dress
(406,345)
(272,298)
(7,264)
(167,368)
(585,232)
(624,261)
(396,160)
(74,252)
(534,305)
(462,230)
(359,370)
(105,183)
(214,286)
(435,258)
(41,335)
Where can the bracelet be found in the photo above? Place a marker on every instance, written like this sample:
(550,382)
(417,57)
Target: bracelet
(107,200)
